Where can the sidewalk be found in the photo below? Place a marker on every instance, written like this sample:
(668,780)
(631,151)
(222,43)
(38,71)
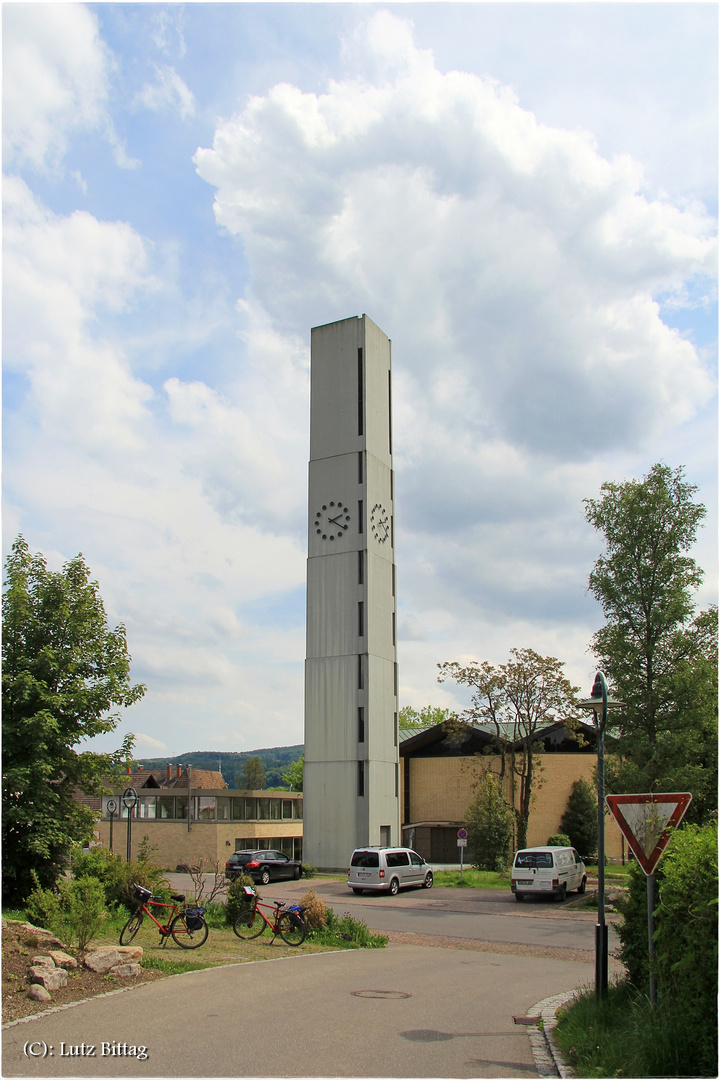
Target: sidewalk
(403,1011)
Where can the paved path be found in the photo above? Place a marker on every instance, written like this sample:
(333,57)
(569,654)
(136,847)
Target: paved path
(404,1011)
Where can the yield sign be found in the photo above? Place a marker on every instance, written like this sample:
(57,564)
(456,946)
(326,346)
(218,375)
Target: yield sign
(646,822)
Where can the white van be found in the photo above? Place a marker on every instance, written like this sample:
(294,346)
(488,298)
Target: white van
(547,870)
(387,869)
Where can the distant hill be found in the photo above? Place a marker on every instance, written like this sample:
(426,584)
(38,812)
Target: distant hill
(275,760)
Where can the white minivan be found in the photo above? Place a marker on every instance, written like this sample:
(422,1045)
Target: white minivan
(546,871)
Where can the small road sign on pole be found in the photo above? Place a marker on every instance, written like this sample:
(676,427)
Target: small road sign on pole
(461,843)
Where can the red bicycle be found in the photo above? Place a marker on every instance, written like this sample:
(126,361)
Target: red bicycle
(187,927)
(288,920)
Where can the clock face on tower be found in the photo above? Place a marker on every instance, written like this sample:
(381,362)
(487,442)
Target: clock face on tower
(380,523)
(332,520)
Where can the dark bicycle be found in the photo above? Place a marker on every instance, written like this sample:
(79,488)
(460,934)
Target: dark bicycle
(187,927)
(288,920)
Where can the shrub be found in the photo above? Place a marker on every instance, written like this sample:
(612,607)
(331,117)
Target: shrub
(118,877)
(74,911)
(559,839)
(315,910)
(490,827)
(579,821)
(236,902)
(686,953)
(328,929)
(308,870)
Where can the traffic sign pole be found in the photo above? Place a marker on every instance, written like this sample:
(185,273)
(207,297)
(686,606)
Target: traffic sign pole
(462,844)
(646,821)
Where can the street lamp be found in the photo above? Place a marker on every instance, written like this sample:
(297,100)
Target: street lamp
(599,702)
(111,807)
(130,800)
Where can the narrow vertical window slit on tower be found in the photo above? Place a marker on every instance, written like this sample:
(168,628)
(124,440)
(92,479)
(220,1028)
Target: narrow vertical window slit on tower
(389,412)
(361,412)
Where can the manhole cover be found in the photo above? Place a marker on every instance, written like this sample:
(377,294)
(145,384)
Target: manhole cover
(380,994)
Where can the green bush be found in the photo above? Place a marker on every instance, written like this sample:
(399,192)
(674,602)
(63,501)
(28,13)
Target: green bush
(308,870)
(686,952)
(559,839)
(119,877)
(326,928)
(74,911)
(490,827)
(686,945)
(236,902)
(579,821)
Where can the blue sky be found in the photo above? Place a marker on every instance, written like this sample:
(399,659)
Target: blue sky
(522,196)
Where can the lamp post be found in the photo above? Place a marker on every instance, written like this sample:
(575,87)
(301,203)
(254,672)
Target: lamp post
(130,799)
(111,807)
(599,702)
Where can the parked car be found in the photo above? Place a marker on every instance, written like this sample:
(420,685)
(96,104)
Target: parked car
(262,866)
(387,869)
(547,871)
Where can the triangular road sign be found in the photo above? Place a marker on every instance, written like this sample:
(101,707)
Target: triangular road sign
(646,822)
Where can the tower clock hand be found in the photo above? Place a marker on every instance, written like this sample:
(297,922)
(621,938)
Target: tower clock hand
(335,520)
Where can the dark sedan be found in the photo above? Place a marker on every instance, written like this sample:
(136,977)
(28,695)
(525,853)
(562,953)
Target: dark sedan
(262,866)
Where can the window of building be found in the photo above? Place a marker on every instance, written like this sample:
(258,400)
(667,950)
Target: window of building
(145,808)
(204,807)
(165,807)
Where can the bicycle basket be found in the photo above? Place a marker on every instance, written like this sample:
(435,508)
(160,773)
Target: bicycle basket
(194,918)
(142,895)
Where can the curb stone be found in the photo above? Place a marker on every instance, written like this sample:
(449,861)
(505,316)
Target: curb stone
(548,1059)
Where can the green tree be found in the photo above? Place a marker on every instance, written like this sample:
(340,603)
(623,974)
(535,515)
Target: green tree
(252,777)
(490,826)
(411,719)
(63,670)
(517,699)
(293,775)
(660,655)
(579,821)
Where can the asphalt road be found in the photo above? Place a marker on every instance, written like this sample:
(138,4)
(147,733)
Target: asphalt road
(481,915)
(403,1011)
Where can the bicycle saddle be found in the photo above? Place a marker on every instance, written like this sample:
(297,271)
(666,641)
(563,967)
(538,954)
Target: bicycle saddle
(178,897)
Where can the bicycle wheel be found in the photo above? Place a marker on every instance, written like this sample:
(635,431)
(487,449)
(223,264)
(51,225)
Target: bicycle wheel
(186,938)
(292,928)
(131,928)
(249,925)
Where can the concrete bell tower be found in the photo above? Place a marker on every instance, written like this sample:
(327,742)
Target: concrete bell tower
(352,782)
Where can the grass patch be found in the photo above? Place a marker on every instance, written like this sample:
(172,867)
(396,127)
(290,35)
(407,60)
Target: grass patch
(471,879)
(173,967)
(15,914)
(624,1036)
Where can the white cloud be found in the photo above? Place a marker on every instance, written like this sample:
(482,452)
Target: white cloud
(146,746)
(168,91)
(520,267)
(55,80)
(518,273)
(182,499)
